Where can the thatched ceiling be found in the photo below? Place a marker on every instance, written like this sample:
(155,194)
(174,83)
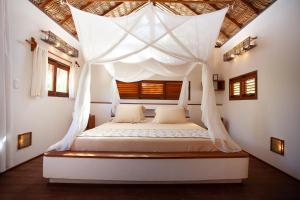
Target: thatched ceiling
(240,14)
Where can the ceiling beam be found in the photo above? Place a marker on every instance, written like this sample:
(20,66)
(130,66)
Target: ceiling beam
(112,8)
(69,16)
(44,4)
(169,8)
(168,1)
(196,13)
(249,5)
(228,16)
(106,12)
(136,8)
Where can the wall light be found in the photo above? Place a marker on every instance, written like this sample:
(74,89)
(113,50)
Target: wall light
(24,140)
(59,43)
(277,145)
(240,48)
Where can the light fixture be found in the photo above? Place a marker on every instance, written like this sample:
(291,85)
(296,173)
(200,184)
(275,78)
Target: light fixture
(24,140)
(240,48)
(277,145)
(59,43)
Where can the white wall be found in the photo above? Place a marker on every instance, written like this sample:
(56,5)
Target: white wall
(277,110)
(101,92)
(47,118)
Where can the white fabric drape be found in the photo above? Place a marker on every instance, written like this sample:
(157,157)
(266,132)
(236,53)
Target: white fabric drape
(149,34)
(5,86)
(72,80)
(211,116)
(39,72)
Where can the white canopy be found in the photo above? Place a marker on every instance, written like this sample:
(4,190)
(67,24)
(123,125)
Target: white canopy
(146,43)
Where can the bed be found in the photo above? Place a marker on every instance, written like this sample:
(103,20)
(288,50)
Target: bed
(147,159)
(145,153)
(145,137)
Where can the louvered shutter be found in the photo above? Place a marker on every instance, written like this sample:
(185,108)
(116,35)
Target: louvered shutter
(148,89)
(152,90)
(173,89)
(128,90)
(250,87)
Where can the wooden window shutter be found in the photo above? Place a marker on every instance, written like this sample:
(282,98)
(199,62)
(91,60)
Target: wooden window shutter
(152,90)
(250,85)
(243,87)
(173,89)
(128,90)
(236,88)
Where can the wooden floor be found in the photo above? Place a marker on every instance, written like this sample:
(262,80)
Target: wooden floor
(265,182)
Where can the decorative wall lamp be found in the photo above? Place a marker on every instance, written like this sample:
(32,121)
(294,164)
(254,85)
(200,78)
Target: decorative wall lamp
(239,49)
(59,43)
(277,145)
(24,140)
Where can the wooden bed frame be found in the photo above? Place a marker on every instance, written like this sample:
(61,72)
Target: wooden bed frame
(149,168)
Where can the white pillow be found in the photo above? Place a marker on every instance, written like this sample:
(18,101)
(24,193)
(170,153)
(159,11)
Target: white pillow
(129,113)
(170,115)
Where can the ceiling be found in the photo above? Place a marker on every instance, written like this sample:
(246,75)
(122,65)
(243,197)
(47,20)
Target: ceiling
(241,12)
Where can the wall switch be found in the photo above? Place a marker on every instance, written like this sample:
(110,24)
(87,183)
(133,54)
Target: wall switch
(16,83)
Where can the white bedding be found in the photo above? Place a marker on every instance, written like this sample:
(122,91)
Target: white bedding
(145,137)
(147,129)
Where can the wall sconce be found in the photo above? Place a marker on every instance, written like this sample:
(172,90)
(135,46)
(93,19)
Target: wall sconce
(59,43)
(277,146)
(239,49)
(24,140)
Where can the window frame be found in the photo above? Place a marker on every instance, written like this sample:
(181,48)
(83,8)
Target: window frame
(163,96)
(64,67)
(242,80)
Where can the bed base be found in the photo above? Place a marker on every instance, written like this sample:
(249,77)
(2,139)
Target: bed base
(80,181)
(145,168)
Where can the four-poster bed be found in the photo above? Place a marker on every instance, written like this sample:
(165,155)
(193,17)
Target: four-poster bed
(143,44)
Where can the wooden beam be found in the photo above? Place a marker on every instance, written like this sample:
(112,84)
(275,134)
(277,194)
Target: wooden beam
(44,4)
(112,8)
(69,16)
(168,8)
(196,13)
(227,16)
(191,9)
(249,5)
(106,12)
(168,1)
(136,8)
(234,21)
(225,34)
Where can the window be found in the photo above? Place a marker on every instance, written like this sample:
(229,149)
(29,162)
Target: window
(243,87)
(168,90)
(57,79)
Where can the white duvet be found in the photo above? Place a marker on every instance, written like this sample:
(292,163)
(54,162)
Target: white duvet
(147,129)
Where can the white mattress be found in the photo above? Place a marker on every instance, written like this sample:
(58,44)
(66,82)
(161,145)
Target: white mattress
(144,137)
